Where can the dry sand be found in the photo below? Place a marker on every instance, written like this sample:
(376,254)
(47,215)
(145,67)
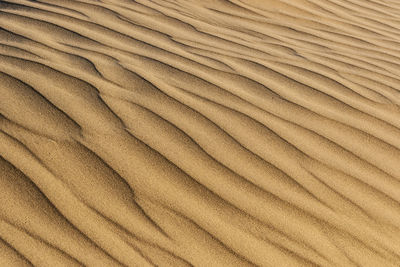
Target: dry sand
(200,133)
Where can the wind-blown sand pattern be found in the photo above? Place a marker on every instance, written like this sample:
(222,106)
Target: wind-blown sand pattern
(200,133)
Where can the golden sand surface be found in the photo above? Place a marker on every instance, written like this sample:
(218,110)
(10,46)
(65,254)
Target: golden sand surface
(200,133)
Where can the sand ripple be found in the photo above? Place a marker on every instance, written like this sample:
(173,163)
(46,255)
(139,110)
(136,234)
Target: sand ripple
(200,133)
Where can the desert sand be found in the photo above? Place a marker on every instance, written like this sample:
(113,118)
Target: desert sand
(200,133)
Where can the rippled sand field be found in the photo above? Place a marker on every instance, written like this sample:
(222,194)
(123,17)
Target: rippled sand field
(200,133)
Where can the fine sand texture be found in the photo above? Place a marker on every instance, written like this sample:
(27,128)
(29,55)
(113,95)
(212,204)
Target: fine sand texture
(200,133)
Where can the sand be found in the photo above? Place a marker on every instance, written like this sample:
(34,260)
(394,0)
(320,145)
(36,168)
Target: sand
(200,133)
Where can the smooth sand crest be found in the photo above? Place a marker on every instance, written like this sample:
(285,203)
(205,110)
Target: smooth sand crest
(199,133)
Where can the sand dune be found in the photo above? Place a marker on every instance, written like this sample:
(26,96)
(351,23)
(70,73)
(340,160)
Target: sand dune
(200,133)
